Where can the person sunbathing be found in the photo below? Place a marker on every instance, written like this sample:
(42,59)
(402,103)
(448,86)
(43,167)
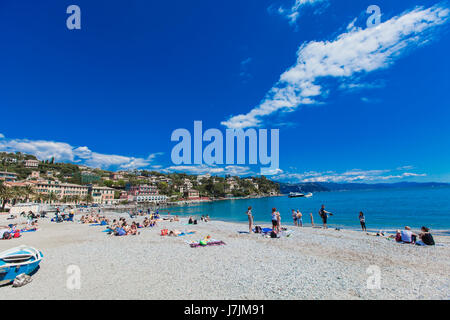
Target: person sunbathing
(174,233)
(132,230)
(33,226)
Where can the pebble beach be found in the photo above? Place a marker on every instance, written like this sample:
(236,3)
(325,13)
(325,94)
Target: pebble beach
(310,263)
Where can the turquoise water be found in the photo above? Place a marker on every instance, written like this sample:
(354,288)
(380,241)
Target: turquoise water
(384,209)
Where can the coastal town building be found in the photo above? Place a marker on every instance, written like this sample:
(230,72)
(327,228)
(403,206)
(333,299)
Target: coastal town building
(31,163)
(231,184)
(142,190)
(203,177)
(102,195)
(34,175)
(60,189)
(8,176)
(192,194)
(9,160)
(158,198)
(116,176)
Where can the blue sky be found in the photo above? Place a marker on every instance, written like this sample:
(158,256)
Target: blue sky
(352,103)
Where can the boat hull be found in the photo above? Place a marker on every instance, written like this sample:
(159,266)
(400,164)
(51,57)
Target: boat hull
(10,270)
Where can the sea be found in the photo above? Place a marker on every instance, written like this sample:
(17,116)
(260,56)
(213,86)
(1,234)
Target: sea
(384,209)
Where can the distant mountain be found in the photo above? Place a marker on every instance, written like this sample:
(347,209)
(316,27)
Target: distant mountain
(330,186)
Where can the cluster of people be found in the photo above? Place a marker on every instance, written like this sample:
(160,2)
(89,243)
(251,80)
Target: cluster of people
(14,230)
(94,218)
(404,236)
(61,216)
(297,217)
(407,236)
(122,228)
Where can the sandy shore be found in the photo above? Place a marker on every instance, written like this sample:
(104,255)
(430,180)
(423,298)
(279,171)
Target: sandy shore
(309,264)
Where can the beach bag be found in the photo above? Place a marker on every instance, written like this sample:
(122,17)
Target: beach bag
(273,234)
(258,229)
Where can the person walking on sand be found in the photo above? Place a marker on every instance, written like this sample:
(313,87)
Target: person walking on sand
(324,215)
(362,221)
(250,219)
(294,217)
(299,218)
(312,219)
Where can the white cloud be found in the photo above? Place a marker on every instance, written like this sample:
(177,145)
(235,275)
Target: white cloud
(214,170)
(351,54)
(293,13)
(354,175)
(2,136)
(65,152)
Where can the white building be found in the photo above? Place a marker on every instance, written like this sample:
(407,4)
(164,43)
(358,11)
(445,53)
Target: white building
(31,163)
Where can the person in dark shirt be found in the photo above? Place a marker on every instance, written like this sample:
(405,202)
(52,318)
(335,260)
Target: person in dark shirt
(324,215)
(426,239)
(362,221)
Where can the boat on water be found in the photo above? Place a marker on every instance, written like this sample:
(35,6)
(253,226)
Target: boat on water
(299,195)
(18,260)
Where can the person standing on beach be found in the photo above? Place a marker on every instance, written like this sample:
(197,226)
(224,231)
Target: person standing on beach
(250,219)
(294,217)
(312,219)
(324,215)
(275,215)
(299,218)
(362,220)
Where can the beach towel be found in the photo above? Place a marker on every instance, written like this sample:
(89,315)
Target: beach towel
(31,230)
(264,230)
(185,233)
